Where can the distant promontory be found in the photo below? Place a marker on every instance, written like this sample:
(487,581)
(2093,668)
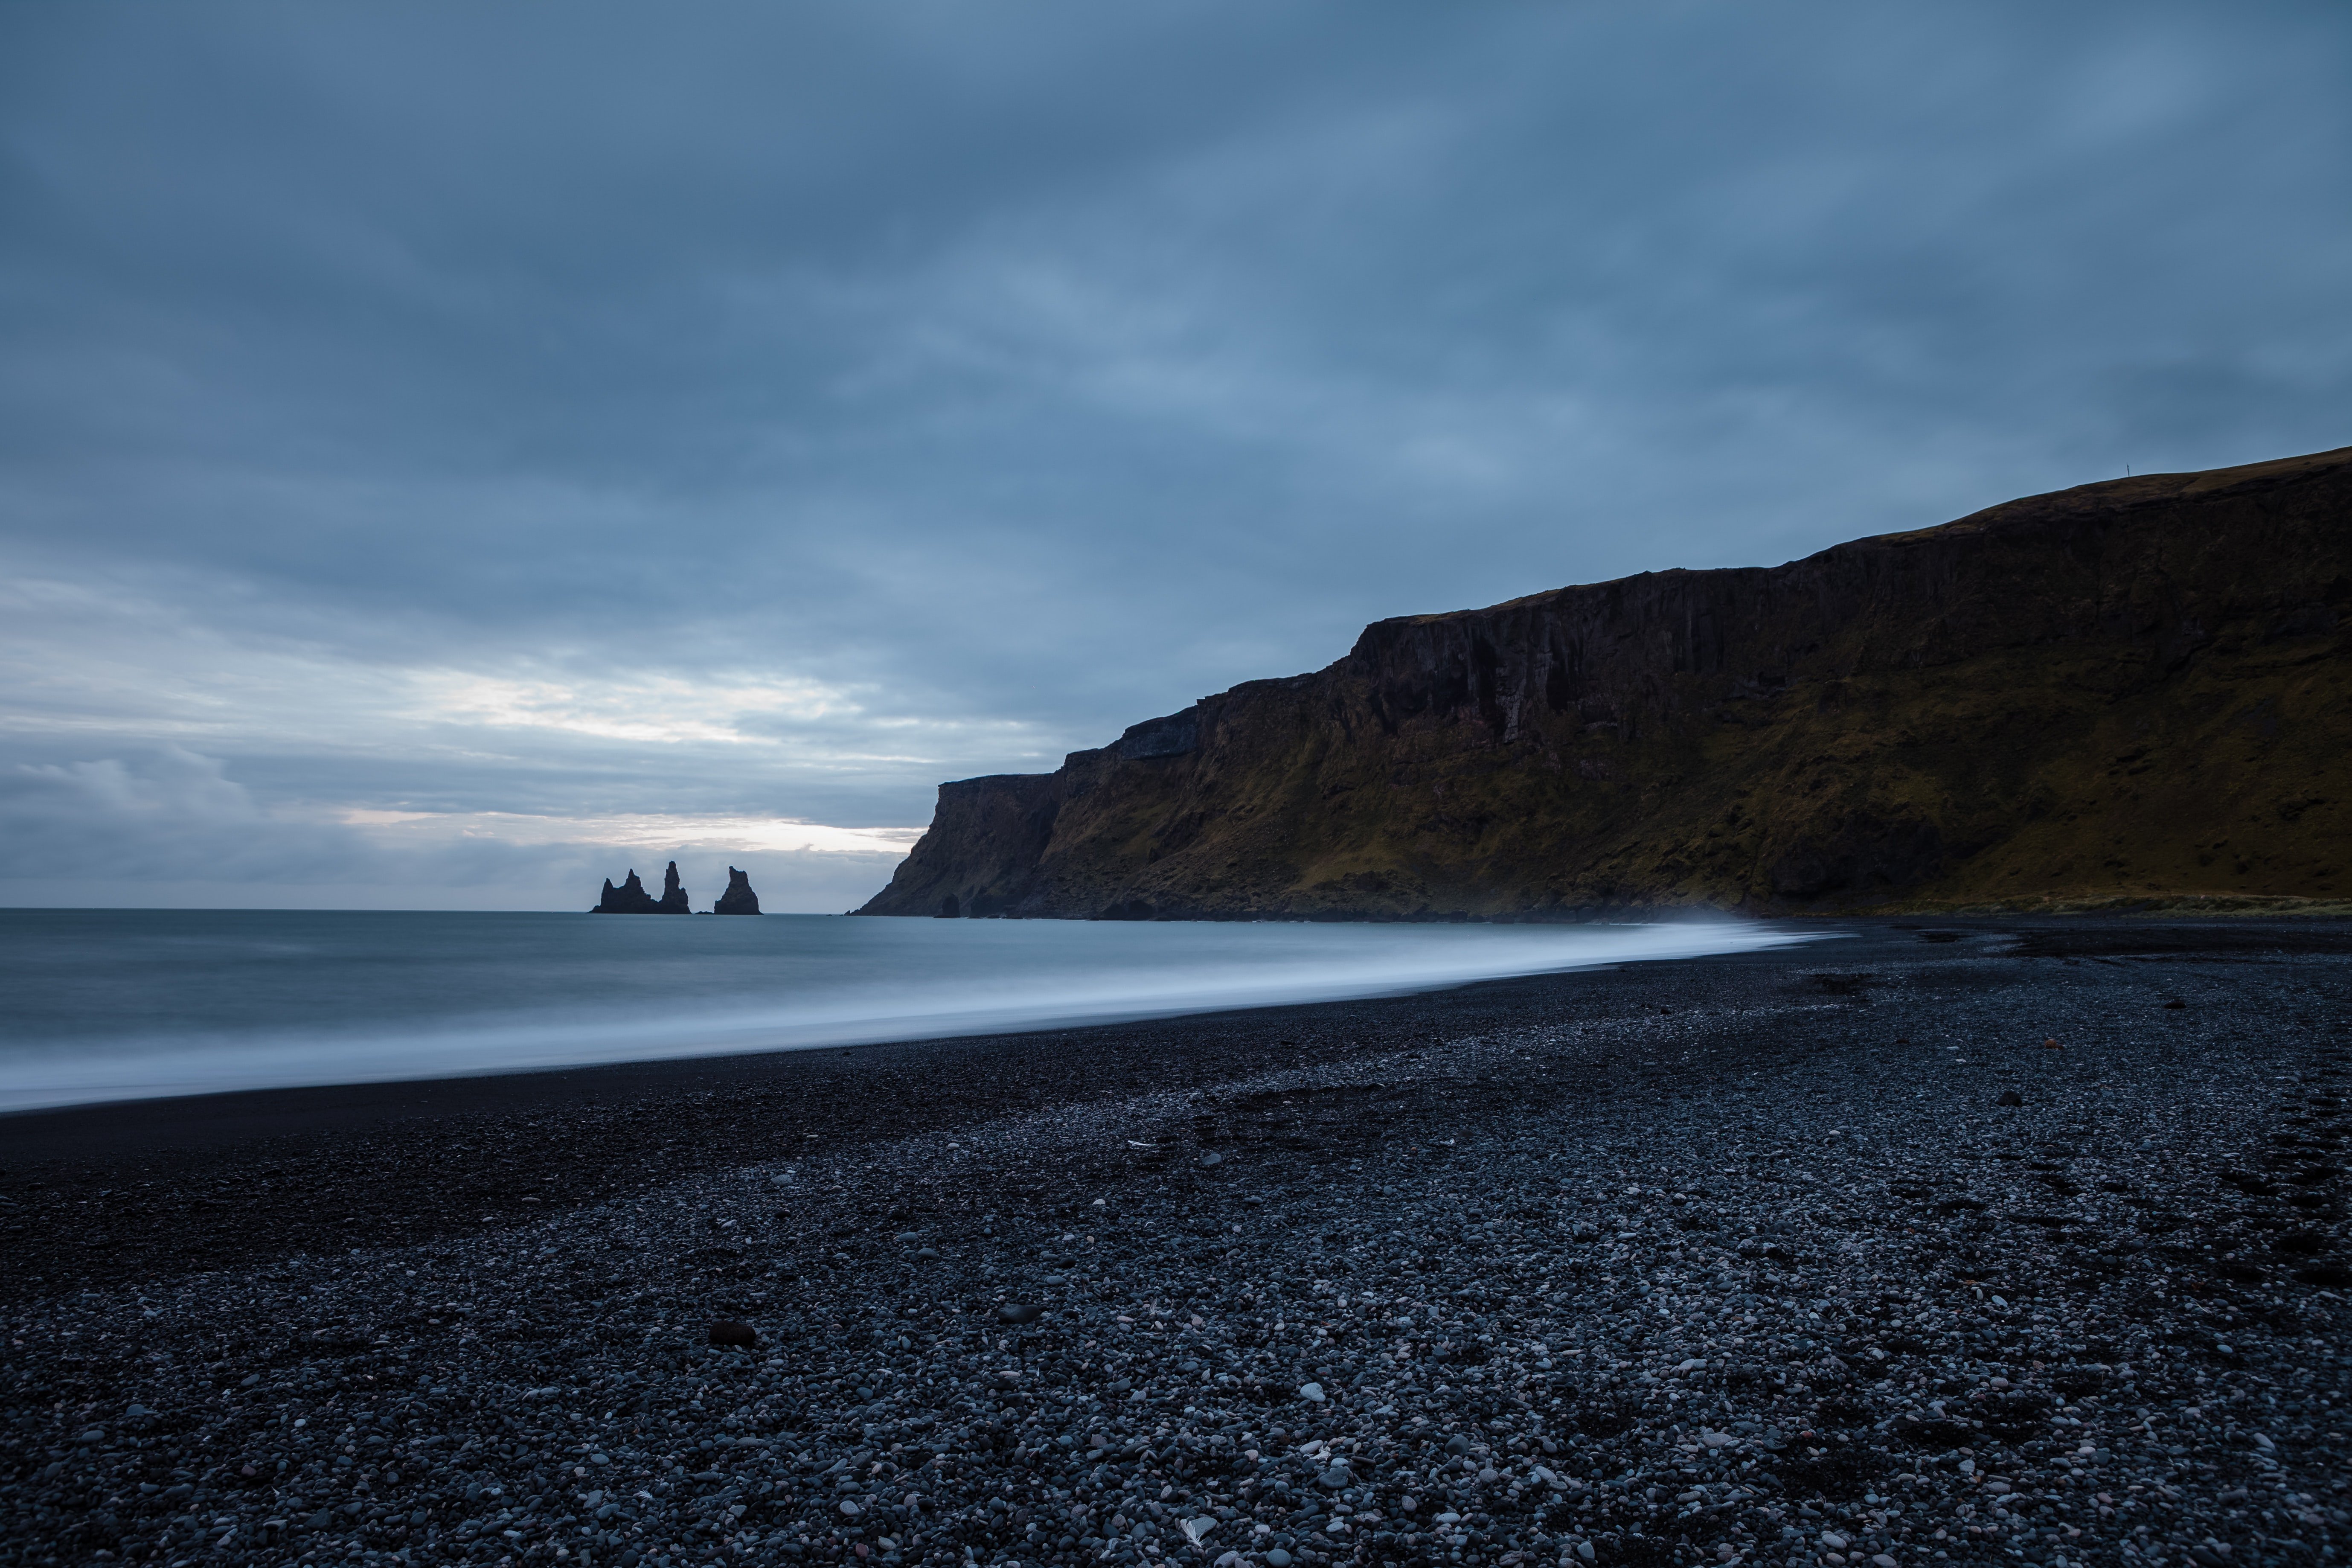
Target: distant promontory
(2129,693)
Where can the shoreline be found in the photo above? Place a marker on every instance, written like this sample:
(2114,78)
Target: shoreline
(565,999)
(50,1132)
(1733,1254)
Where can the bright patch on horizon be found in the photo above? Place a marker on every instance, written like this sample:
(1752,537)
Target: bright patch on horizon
(668,834)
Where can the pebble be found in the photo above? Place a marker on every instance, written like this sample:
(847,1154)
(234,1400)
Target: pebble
(1637,1310)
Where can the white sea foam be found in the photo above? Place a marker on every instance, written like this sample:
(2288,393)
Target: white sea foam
(136,1004)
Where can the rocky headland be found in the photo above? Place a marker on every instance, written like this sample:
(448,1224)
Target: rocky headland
(2128,693)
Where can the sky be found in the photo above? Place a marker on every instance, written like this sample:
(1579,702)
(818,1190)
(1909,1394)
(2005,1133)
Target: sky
(450,455)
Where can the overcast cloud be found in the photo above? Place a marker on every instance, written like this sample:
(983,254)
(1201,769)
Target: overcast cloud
(449,454)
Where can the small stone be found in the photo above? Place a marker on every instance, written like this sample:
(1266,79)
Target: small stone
(908,1237)
(848,1509)
(1212,1158)
(2009,1097)
(1277,1557)
(1020,1313)
(1336,1478)
(727,1332)
(930,1252)
(1882,1561)
(1311,1392)
(1457,1444)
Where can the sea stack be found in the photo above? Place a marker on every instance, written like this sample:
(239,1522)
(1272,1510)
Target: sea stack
(739,899)
(631,898)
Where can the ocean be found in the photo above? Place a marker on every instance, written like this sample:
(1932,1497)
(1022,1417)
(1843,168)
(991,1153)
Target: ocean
(110,1004)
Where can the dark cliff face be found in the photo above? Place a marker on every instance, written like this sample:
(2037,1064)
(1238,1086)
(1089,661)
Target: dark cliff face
(739,899)
(2129,689)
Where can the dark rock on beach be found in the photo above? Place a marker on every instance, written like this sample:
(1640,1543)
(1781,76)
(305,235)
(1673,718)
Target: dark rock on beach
(739,899)
(1531,1273)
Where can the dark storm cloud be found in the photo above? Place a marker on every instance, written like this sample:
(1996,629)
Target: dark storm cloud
(584,411)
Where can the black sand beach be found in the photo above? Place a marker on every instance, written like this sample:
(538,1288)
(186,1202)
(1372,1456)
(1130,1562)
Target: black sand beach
(1725,1261)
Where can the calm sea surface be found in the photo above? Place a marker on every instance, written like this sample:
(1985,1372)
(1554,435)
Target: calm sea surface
(129,1003)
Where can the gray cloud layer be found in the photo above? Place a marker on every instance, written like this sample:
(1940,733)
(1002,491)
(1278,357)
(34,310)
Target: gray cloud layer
(578,412)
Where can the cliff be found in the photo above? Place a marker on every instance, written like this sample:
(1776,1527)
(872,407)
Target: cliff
(2128,690)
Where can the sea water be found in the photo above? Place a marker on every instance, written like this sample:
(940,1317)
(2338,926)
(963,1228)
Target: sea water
(131,1003)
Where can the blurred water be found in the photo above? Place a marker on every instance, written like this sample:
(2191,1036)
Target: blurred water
(131,1003)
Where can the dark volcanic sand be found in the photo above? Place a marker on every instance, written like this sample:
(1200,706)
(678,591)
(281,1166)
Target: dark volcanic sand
(1723,1260)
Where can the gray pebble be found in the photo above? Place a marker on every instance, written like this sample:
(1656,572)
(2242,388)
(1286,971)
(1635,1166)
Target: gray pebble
(1581,1317)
